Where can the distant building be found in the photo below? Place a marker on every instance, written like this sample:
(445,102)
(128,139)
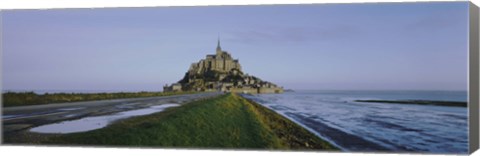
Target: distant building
(220,72)
(176,87)
(220,62)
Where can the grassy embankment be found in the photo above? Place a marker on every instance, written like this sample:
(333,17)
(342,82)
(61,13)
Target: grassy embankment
(11,99)
(228,121)
(419,102)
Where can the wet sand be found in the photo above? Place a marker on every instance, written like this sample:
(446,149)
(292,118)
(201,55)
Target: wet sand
(16,119)
(345,140)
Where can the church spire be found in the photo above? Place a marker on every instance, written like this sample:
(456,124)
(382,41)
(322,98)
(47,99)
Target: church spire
(219,49)
(218,45)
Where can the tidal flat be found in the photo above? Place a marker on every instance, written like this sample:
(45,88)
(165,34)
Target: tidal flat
(97,122)
(337,117)
(22,119)
(226,121)
(420,102)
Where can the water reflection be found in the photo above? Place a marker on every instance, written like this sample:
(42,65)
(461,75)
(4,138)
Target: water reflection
(97,122)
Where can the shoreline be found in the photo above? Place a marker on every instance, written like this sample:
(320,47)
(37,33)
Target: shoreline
(316,128)
(300,124)
(419,102)
(20,99)
(247,125)
(375,127)
(24,117)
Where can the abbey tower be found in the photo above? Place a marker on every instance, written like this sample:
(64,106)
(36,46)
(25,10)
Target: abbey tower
(220,62)
(220,72)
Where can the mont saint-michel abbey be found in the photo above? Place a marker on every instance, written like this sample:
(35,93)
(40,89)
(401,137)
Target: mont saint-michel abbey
(220,72)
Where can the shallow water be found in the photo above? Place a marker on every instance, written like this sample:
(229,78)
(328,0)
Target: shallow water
(31,115)
(97,122)
(71,108)
(358,126)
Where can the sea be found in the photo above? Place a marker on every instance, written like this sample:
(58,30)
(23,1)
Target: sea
(52,91)
(377,127)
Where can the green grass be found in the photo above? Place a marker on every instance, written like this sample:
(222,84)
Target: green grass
(228,121)
(11,99)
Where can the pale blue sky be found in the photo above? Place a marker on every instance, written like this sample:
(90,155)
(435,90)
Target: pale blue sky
(391,46)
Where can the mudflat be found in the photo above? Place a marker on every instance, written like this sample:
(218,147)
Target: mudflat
(22,118)
(223,121)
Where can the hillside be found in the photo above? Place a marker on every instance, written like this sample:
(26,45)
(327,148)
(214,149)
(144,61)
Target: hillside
(221,72)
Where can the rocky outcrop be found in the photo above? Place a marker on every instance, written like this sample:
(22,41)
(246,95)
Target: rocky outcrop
(220,72)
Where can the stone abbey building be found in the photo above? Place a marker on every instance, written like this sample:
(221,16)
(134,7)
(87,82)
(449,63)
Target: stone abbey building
(220,72)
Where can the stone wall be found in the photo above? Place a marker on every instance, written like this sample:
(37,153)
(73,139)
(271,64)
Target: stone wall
(256,90)
(270,90)
(244,90)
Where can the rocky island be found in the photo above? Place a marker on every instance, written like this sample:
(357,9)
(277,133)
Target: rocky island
(220,72)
